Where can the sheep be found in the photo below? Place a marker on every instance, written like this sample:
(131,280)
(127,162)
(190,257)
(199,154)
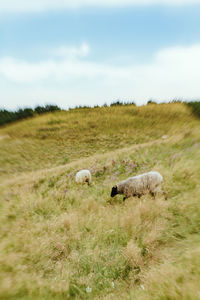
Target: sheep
(139,185)
(83,176)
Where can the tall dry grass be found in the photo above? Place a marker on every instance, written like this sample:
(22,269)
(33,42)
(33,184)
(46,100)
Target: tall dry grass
(56,139)
(60,240)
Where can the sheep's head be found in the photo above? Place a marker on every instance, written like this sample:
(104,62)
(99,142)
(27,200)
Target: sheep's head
(88,181)
(114,191)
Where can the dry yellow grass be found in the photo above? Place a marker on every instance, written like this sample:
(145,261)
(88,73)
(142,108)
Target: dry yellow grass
(62,137)
(60,240)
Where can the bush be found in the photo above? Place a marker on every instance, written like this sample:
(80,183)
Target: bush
(10,116)
(151,102)
(47,108)
(121,103)
(195,106)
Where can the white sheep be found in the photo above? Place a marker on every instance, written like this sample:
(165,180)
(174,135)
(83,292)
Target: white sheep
(139,185)
(83,176)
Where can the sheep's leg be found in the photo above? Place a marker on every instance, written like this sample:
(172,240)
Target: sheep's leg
(164,194)
(124,198)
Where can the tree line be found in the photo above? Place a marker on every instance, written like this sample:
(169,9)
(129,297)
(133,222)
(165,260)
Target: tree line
(10,116)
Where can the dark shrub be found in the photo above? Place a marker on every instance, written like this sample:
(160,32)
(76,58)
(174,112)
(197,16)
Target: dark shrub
(195,106)
(11,116)
(151,102)
(121,103)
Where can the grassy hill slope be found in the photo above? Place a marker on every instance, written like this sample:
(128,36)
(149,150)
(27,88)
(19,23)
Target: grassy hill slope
(60,240)
(61,137)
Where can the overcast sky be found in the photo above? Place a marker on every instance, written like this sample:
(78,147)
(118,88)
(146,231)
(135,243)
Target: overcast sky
(88,52)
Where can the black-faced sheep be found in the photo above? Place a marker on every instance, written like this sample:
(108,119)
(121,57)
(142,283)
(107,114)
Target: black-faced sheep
(139,185)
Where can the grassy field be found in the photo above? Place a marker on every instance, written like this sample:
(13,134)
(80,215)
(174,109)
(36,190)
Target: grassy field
(60,240)
(62,137)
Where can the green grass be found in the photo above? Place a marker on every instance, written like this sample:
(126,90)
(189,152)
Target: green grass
(60,240)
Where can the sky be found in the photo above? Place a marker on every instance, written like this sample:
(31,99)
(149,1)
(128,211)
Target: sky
(91,52)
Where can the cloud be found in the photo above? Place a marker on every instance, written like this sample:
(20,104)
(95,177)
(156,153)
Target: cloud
(20,6)
(67,64)
(173,73)
(71,51)
(24,72)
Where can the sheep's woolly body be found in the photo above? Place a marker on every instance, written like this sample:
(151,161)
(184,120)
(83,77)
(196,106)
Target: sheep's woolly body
(141,184)
(83,176)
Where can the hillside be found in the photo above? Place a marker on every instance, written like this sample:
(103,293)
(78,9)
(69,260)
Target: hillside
(60,240)
(62,137)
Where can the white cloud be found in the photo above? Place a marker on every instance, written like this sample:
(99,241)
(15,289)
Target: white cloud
(71,51)
(173,73)
(43,5)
